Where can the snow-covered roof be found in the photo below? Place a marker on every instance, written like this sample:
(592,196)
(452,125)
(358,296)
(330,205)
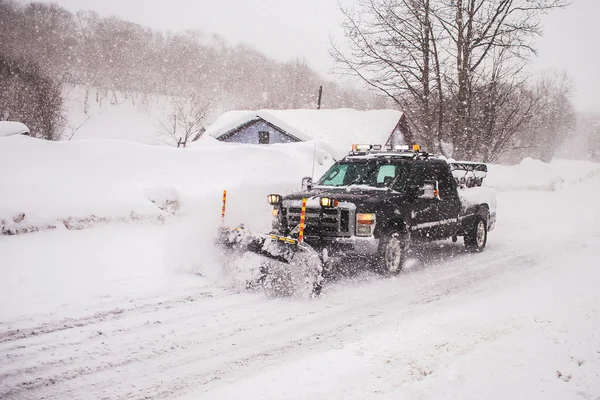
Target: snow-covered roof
(339,128)
(9,128)
(234,119)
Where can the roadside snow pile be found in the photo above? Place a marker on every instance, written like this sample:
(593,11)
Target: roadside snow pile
(79,183)
(533,174)
(167,198)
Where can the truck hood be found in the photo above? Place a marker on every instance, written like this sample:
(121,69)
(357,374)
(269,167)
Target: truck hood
(360,196)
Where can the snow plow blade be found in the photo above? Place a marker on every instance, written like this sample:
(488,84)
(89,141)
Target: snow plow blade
(291,268)
(276,247)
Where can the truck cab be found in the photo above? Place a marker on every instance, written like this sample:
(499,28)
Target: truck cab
(377,200)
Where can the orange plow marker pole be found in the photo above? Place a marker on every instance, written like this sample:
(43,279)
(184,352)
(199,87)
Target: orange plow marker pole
(223,208)
(302,218)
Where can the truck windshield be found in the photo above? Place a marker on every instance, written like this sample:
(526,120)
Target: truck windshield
(378,174)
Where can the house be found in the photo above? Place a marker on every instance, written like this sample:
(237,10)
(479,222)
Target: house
(337,128)
(10,128)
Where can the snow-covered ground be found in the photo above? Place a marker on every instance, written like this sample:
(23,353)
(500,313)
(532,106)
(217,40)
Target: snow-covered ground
(135,304)
(93,113)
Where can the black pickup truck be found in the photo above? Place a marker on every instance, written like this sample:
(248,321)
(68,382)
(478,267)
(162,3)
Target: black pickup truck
(376,200)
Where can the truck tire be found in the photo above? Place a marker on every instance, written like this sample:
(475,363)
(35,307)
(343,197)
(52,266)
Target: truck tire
(392,250)
(476,237)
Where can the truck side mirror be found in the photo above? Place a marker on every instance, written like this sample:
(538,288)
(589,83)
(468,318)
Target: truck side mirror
(429,190)
(307,183)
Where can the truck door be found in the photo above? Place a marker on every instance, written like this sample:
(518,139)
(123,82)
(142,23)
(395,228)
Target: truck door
(448,204)
(423,212)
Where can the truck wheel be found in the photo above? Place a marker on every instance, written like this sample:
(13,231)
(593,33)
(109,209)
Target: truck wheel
(476,238)
(391,253)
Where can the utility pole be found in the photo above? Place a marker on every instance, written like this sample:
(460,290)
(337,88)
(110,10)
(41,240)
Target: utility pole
(320,96)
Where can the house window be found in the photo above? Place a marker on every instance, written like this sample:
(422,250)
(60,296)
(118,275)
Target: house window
(263,137)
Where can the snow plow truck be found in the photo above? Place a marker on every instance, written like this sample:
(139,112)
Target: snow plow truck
(367,209)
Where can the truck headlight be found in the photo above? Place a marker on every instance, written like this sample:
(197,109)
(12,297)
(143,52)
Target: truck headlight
(274,199)
(365,224)
(328,202)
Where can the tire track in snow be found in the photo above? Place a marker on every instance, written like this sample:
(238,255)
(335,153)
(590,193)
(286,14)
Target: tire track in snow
(325,328)
(113,314)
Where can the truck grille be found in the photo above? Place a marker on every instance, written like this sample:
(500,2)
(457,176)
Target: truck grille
(320,221)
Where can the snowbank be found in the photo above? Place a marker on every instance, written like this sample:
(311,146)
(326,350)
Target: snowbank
(85,182)
(533,174)
(9,128)
(82,182)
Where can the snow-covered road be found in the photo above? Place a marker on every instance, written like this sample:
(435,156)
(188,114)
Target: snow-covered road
(103,313)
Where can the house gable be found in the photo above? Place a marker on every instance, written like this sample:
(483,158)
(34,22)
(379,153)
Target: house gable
(258,131)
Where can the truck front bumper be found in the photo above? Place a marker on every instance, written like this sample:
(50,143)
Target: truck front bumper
(340,247)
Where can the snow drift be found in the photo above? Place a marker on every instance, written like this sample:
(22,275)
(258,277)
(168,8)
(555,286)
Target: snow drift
(533,174)
(88,181)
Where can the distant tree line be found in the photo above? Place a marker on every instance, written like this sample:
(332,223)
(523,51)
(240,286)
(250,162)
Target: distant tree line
(459,67)
(28,96)
(115,55)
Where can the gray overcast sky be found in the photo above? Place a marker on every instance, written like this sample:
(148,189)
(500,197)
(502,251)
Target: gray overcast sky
(288,28)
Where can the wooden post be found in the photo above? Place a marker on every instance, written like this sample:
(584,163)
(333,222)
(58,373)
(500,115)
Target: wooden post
(223,208)
(320,96)
(302,219)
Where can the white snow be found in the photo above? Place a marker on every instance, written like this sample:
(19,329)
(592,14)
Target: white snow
(337,128)
(533,174)
(86,181)
(145,310)
(134,117)
(10,128)
(478,195)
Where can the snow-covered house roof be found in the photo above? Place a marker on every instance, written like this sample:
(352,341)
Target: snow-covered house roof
(338,128)
(9,128)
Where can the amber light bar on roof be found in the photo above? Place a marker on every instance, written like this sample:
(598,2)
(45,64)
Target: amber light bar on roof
(378,147)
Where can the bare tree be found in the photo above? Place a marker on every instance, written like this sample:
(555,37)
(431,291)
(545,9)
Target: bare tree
(74,129)
(502,105)
(554,120)
(476,30)
(393,49)
(593,142)
(28,96)
(437,59)
(185,122)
